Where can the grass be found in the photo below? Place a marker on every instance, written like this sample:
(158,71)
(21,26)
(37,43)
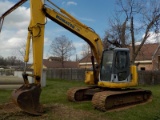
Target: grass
(5,96)
(56,90)
(54,95)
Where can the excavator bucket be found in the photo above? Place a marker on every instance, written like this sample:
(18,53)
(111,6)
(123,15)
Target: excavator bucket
(27,98)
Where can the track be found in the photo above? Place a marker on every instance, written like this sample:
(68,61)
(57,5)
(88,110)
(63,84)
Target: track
(107,99)
(110,100)
(78,94)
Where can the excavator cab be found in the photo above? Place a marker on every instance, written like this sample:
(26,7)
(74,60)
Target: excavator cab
(116,70)
(115,65)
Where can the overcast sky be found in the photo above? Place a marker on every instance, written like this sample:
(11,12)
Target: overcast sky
(93,13)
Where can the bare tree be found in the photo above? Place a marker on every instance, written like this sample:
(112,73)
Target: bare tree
(86,50)
(63,48)
(132,20)
(3,62)
(20,51)
(9,61)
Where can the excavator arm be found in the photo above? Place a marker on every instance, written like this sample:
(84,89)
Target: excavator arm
(39,12)
(27,96)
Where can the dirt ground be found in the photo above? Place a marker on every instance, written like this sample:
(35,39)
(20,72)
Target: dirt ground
(9,111)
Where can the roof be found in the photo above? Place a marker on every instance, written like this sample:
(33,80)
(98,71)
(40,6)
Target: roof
(57,64)
(54,58)
(87,58)
(147,51)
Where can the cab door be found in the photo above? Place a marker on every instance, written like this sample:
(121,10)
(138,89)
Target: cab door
(121,66)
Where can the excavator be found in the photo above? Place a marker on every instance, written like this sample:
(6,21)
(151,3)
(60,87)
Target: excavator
(111,83)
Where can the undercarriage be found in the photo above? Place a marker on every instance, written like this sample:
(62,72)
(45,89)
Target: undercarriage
(106,99)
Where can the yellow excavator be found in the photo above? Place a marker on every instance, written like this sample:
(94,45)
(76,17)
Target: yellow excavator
(110,83)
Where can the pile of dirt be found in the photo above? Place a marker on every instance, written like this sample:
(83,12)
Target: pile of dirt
(10,111)
(8,108)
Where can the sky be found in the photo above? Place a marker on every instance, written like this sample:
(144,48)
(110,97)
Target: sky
(92,13)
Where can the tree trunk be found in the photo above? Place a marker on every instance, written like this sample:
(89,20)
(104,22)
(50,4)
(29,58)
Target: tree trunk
(123,31)
(133,40)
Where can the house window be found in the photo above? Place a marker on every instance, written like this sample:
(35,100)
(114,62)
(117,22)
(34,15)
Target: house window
(142,68)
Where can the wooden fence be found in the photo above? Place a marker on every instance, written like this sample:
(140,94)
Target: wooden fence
(144,77)
(66,73)
(149,77)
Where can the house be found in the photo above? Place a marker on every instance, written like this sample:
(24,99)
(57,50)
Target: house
(147,59)
(53,62)
(86,62)
(54,58)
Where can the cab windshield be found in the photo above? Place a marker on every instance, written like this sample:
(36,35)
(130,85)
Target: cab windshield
(106,66)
